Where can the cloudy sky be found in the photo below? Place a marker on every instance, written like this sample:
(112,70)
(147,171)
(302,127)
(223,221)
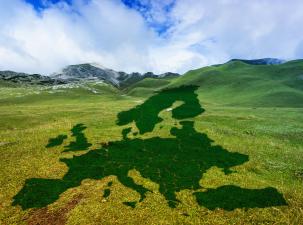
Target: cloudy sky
(42,36)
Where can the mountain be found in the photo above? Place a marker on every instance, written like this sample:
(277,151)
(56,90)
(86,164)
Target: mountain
(264,61)
(237,83)
(89,72)
(81,73)
(95,72)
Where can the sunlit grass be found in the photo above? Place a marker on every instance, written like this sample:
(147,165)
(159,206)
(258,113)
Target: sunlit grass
(271,137)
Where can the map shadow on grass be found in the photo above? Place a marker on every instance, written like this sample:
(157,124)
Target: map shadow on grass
(176,163)
(57,141)
(81,143)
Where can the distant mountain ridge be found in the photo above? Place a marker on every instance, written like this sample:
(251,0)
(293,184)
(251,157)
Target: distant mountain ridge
(80,73)
(264,61)
(24,78)
(94,72)
(234,83)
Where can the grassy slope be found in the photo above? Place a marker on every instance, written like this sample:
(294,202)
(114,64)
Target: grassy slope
(147,86)
(240,84)
(272,137)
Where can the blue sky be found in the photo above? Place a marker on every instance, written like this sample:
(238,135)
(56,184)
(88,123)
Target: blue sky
(144,7)
(42,4)
(42,36)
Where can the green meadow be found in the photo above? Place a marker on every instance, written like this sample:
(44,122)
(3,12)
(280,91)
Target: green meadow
(219,145)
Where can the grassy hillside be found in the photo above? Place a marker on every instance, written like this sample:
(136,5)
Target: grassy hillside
(254,112)
(147,86)
(240,84)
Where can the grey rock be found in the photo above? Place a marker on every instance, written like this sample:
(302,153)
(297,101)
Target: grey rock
(30,79)
(95,72)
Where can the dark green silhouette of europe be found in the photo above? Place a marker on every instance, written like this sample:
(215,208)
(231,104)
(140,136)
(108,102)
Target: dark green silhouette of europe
(176,163)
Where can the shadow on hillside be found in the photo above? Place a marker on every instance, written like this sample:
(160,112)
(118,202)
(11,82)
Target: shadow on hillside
(175,163)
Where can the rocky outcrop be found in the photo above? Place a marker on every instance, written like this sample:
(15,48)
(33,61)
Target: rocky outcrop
(30,79)
(95,72)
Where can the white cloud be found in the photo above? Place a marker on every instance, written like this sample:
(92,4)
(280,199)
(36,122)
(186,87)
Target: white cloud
(106,31)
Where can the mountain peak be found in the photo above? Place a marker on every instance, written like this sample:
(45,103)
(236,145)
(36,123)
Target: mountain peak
(95,71)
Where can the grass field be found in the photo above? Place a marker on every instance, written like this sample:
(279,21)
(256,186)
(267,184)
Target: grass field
(255,116)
